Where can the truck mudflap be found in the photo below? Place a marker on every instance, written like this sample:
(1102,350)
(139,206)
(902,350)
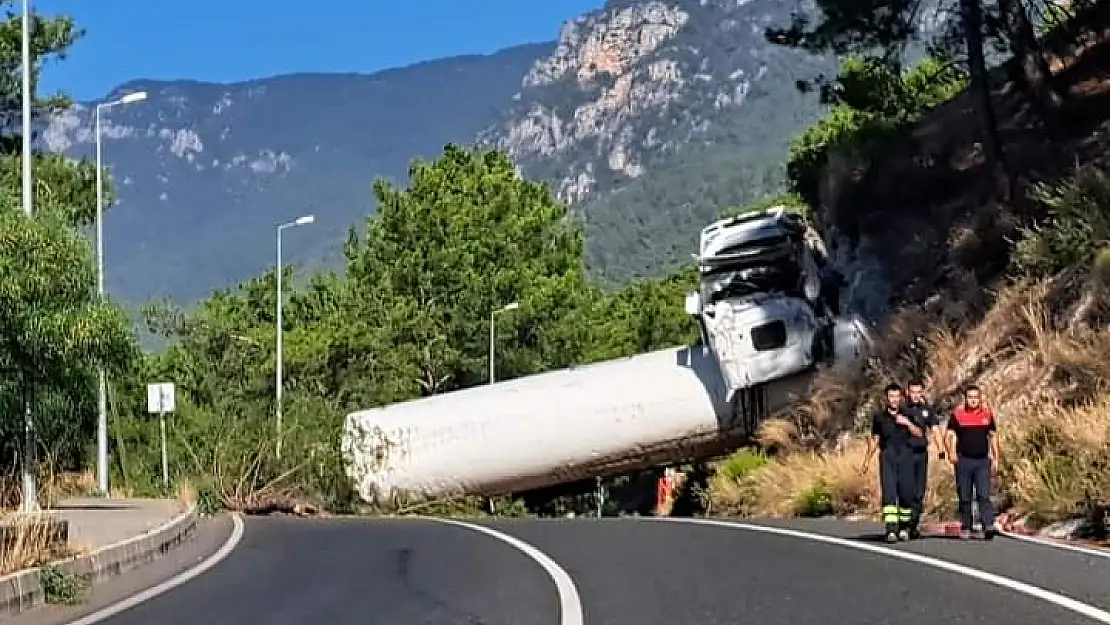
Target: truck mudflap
(753,405)
(750,408)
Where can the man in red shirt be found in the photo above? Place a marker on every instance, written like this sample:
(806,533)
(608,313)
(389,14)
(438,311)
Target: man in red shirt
(973,449)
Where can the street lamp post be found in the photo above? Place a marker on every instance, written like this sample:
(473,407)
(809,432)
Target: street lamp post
(492,337)
(30,487)
(102,382)
(492,326)
(278,378)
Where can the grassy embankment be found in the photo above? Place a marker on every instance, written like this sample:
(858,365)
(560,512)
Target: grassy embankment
(28,542)
(1017,303)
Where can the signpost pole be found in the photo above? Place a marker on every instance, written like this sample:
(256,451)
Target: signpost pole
(160,400)
(165,447)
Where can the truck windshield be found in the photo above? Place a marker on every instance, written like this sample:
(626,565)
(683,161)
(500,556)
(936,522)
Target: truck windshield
(750,281)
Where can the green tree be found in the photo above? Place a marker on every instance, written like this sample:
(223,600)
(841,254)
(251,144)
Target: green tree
(872,100)
(466,237)
(644,316)
(53,328)
(884,28)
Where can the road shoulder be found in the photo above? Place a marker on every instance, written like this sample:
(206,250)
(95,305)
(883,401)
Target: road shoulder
(1070,573)
(209,535)
(118,535)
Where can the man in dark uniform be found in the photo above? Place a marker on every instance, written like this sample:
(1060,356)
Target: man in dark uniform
(973,448)
(891,430)
(924,417)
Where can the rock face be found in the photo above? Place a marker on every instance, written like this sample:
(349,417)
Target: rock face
(628,85)
(605,59)
(651,116)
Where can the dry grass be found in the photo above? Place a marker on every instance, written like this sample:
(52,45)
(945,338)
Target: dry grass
(29,543)
(58,486)
(1048,385)
(186,493)
(53,487)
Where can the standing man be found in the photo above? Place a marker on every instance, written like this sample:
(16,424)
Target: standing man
(924,417)
(891,430)
(973,449)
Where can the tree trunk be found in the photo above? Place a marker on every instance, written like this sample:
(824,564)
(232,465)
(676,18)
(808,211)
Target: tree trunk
(971,13)
(1035,75)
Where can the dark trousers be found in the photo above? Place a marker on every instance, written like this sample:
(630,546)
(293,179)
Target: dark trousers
(919,467)
(897,485)
(973,481)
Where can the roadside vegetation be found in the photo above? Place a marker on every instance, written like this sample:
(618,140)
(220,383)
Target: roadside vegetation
(29,541)
(1001,275)
(902,150)
(405,317)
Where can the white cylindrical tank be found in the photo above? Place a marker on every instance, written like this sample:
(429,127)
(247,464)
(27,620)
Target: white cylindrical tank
(550,428)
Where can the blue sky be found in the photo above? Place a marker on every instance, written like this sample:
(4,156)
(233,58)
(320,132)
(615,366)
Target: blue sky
(230,40)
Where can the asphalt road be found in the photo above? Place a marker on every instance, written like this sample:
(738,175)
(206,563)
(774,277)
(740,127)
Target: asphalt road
(626,572)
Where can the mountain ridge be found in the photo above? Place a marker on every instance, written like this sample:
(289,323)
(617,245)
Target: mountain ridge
(205,170)
(648,117)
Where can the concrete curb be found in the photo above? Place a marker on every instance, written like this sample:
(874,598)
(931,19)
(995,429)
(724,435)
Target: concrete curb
(952,528)
(1055,543)
(22,591)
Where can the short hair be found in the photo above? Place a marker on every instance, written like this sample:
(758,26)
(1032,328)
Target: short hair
(892,387)
(916,382)
(972,387)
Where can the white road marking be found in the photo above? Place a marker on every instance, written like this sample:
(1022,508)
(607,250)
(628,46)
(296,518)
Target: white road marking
(169,584)
(1098,553)
(570,605)
(1036,592)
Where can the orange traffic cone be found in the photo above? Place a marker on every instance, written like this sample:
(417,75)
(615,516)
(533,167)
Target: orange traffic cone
(664,494)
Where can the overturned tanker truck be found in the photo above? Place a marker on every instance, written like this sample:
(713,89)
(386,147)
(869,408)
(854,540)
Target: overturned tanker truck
(769,317)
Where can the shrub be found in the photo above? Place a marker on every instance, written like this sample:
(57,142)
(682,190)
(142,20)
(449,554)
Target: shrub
(1076,230)
(872,100)
(816,501)
(62,587)
(740,464)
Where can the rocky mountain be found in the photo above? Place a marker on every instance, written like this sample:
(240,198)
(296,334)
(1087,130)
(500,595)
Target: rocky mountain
(648,116)
(205,172)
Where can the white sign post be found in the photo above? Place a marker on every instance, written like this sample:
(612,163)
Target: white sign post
(160,400)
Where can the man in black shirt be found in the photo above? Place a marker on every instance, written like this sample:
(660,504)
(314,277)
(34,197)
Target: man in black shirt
(891,430)
(976,456)
(923,416)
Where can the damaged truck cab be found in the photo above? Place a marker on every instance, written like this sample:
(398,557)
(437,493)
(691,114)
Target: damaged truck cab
(769,315)
(768,302)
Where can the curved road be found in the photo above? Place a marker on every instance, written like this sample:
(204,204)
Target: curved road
(626,572)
